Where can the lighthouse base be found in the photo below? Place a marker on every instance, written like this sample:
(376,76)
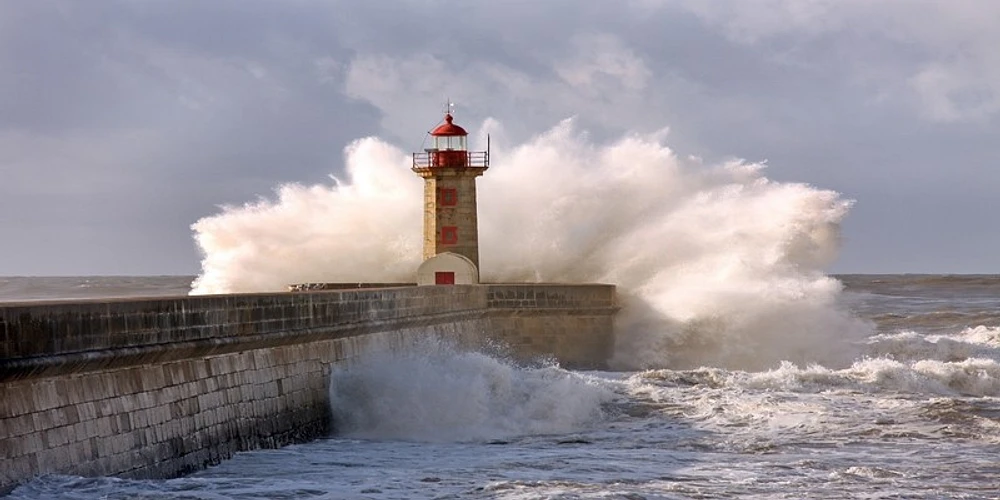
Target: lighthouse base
(447,269)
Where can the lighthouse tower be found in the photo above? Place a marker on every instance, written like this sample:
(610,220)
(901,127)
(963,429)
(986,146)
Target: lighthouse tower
(451,227)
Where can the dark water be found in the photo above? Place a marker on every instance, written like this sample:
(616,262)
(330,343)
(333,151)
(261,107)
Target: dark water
(915,415)
(928,303)
(18,288)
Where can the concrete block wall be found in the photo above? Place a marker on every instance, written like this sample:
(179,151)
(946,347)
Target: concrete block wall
(572,324)
(118,332)
(161,387)
(168,419)
(160,420)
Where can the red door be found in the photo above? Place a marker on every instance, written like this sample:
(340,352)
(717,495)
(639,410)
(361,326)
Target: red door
(444,278)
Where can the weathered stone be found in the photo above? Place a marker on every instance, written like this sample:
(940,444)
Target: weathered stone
(162,387)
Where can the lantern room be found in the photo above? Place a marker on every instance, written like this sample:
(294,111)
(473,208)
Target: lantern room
(450,149)
(448,136)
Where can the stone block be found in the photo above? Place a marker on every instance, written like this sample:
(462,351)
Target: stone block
(16,426)
(44,396)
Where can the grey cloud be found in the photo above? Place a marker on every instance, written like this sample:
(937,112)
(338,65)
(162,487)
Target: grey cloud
(941,59)
(132,120)
(122,122)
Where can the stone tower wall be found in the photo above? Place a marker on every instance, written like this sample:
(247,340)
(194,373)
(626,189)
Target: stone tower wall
(462,216)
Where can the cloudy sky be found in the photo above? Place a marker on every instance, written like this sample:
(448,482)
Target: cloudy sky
(123,122)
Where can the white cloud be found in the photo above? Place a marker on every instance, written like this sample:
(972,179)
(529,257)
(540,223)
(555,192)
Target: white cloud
(598,77)
(410,91)
(947,93)
(946,65)
(603,56)
(756,21)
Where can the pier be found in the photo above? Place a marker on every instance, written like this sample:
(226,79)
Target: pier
(159,387)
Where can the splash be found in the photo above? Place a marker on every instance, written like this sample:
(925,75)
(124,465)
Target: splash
(434,392)
(363,230)
(716,264)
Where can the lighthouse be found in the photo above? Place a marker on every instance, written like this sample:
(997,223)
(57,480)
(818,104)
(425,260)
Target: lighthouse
(451,225)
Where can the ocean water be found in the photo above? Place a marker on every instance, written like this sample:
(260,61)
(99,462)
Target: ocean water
(22,288)
(916,414)
(741,368)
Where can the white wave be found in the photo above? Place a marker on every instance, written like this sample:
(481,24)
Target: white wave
(974,376)
(983,335)
(968,377)
(873,473)
(716,264)
(432,392)
(975,342)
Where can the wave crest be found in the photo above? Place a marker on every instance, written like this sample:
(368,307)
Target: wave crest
(433,392)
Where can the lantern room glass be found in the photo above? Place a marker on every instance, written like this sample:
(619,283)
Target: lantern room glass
(449,142)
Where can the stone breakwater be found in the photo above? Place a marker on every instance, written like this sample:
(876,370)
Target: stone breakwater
(157,388)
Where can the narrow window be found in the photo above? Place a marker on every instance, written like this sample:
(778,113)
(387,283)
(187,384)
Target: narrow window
(449,235)
(449,197)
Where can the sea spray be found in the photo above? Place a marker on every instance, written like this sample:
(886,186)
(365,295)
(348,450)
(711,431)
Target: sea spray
(363,229)
(716,264)
(432,391)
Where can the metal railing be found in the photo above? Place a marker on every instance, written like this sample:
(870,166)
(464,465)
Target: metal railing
(444,159)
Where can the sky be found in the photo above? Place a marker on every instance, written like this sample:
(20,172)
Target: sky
(122,122)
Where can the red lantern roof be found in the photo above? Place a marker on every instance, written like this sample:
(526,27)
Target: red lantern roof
(448,128)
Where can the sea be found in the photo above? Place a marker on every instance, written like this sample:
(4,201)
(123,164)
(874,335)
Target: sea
(913,413)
